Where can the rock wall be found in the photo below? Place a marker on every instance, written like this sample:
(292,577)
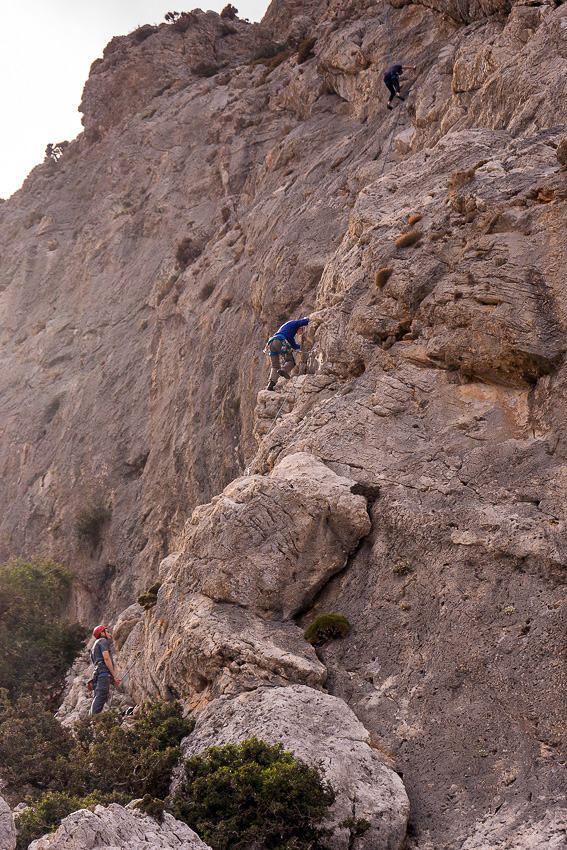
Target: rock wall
(412,477)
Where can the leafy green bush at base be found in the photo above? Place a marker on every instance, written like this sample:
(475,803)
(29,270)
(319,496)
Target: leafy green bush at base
(100,762)
(36,646)
(253,792)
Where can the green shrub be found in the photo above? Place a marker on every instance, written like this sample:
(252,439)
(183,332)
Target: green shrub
(327,627)
(253,793)
(148,599)
(90,521)
(99,762)
(305,51)
(36,646)
(46,815)
(34,747)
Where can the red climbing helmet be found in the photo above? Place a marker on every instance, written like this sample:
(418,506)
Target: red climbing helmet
(98,631)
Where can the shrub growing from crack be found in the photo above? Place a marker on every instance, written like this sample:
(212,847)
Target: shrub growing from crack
(90,522)
(327,627)
(187,252)
(148,599)
(305,50)
(382,276)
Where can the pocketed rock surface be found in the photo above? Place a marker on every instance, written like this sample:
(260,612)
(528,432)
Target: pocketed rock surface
(140,276)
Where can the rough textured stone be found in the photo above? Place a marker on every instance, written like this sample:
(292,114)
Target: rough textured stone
(7,828)
(140,277)
(319,729)
(119,828)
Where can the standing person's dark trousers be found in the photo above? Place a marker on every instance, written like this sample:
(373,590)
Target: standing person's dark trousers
(102,689)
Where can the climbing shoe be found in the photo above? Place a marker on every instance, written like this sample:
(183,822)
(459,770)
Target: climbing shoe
(401,98)
(389,106)
(284,374)
(271,385)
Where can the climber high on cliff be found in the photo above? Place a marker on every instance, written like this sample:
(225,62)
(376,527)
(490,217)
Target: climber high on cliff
(280,348)
(392,81)
(101,656)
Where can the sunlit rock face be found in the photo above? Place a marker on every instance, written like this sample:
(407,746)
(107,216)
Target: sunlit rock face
(116,826)
(321,730)
(412,477)
(7,828)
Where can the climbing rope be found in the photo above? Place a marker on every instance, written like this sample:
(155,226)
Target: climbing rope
(391,39)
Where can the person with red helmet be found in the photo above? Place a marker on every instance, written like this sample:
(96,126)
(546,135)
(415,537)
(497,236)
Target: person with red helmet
(101,657)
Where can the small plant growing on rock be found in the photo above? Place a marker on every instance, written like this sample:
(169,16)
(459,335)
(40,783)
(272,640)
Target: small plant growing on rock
(253,794)
(327,627)
(401,568)
(205,69)
(305,50)
(357,826)
(229,12)
(187,252)
(412,237)
(267,50)
(180,21)
(148,599)
(413,219)
(90,522)
(382,276)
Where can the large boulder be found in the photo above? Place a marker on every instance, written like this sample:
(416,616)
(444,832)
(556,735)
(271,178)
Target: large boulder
(118,827)
(319,729)
(250,561)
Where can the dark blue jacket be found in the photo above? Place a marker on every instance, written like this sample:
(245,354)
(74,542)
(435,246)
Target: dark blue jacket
(289,330)
(394,71)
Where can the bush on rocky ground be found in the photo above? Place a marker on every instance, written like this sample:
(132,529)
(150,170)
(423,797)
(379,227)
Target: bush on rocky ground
(100,761)
(253,793)
(36,645)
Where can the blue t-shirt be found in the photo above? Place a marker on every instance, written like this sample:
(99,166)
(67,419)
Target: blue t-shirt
(289,330)
(97,658)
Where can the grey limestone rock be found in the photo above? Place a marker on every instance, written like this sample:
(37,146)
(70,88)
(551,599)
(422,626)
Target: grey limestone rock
(319,729)
(118,828)
(7,828)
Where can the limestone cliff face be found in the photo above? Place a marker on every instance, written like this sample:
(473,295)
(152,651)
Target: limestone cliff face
(413,477)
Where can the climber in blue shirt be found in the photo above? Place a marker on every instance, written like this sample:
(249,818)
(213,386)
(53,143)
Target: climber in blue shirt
(280,349)
(392,81)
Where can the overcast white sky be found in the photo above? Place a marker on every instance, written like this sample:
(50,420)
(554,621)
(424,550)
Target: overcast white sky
(46,50)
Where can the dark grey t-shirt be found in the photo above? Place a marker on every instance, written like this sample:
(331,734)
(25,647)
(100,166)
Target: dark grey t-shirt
(101,645)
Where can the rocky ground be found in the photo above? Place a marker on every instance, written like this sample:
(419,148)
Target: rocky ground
(412,477)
